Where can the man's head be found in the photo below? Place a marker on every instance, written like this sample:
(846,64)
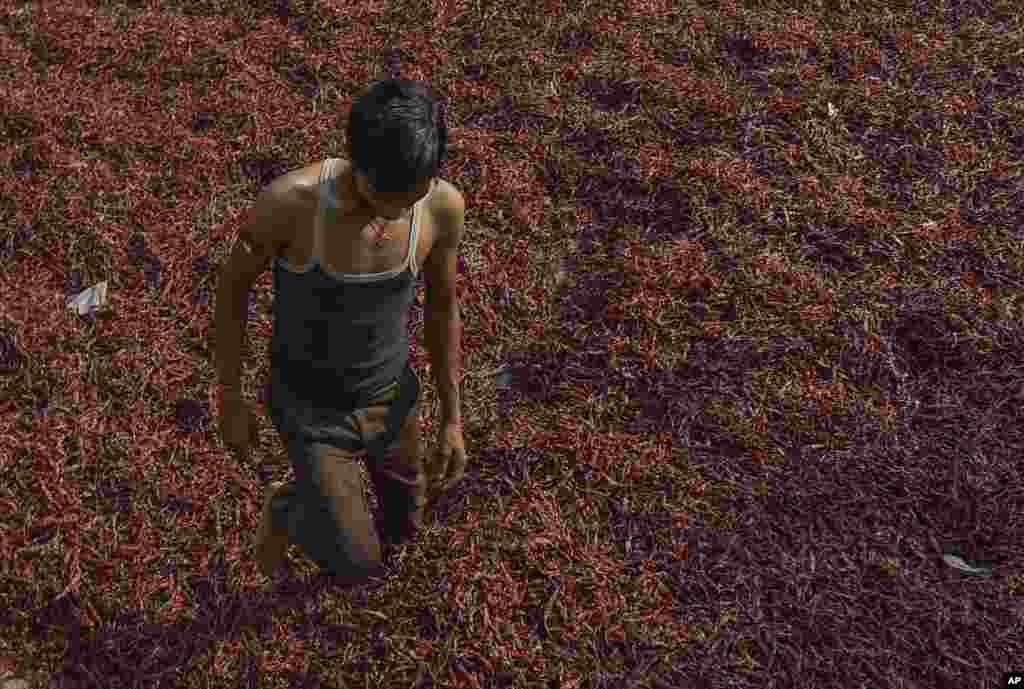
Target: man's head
(397,141)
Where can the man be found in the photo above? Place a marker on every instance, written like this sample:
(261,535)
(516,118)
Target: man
(345,239)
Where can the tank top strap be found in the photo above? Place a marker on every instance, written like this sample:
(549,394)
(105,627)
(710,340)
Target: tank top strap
(325,200)
(414,230)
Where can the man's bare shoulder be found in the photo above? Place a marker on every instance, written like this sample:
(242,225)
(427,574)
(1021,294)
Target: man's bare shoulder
(304,182)
(444,198)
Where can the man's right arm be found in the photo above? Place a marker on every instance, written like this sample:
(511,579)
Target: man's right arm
(268,229)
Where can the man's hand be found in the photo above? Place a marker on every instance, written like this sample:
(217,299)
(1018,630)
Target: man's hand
(448,465)
(238,425)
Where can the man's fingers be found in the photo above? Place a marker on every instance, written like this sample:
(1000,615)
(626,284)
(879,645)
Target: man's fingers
(456,470)
(448,467)
(442,472)
(439,467)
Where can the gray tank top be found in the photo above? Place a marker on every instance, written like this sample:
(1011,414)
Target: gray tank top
(337,335)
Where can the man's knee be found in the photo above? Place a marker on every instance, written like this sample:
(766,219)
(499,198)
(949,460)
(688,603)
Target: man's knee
(402,503)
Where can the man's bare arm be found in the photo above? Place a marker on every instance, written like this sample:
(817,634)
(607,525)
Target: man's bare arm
(267,230)
(442,322)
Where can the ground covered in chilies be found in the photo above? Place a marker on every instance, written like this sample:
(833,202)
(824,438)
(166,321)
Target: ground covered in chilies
(741,294)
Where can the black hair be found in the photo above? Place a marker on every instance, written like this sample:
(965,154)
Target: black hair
(398,134)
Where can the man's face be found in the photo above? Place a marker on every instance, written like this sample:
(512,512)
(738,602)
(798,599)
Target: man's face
(391,206)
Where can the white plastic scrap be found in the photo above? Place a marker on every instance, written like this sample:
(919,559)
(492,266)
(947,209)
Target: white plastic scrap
(89,300)
(502,377)
(957,562)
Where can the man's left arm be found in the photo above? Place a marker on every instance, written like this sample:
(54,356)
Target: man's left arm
(442,322)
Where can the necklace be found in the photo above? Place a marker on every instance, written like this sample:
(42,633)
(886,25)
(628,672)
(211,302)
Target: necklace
(382,236)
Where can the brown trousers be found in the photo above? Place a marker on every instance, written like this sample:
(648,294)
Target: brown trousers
(325,509)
